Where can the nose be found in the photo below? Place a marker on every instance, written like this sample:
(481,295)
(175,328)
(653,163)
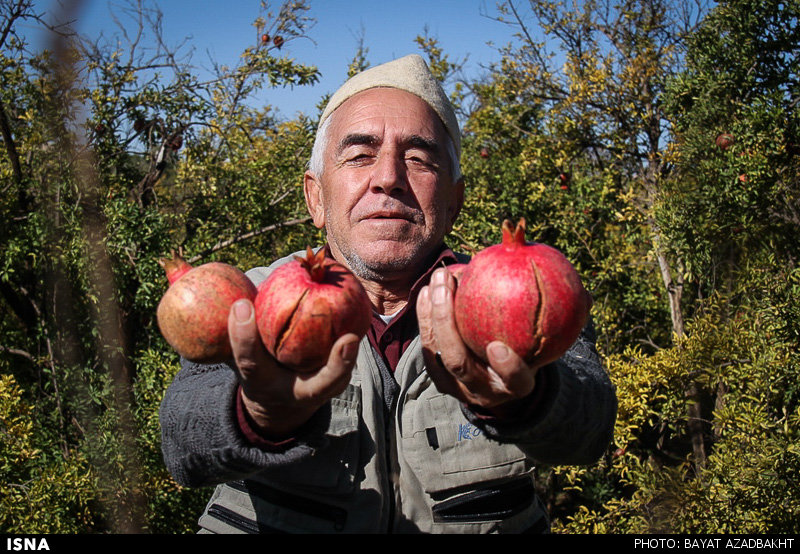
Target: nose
(389,174)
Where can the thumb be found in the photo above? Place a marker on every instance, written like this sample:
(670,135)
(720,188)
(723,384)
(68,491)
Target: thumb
(519,379)
(344,352)
(248,351)
(334,376)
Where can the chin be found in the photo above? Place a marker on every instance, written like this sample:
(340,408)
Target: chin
(379,266)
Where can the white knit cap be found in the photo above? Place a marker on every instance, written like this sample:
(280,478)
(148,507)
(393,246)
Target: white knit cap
(409,73)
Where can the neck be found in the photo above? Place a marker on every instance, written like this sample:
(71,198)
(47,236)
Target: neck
(386,297)
(388,292)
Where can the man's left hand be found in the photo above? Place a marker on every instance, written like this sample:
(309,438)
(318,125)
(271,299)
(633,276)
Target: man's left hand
(454,369)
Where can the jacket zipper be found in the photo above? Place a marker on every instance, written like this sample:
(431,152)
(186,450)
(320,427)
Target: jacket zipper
(378,370)
(233,519)
(487,504)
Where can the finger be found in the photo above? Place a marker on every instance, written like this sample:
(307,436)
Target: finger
(333,377)
(249,353)
(426,334)
(508,372)
(442,379)
(454,353)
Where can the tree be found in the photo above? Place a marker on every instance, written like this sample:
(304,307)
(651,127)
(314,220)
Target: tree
(581,104)
(738,356)
(601,131)
(103,147)
(735,186)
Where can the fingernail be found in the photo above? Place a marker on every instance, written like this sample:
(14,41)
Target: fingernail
(242,311)
(350,351)
(498,351)
(439,294)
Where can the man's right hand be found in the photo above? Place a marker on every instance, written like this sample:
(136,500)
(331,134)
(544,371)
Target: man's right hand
(278,399)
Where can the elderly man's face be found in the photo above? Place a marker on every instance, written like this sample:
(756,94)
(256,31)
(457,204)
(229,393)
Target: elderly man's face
(385,196)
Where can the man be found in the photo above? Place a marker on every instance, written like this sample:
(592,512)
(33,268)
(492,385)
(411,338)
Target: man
(403,430)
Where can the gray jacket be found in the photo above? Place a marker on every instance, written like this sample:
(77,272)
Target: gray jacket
(390,454)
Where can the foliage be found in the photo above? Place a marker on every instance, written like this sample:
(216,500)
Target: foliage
(713,446)
(740,81)
(163,160)
(606,144)
(748,365)
(569,132)
(597,124)
(31,478)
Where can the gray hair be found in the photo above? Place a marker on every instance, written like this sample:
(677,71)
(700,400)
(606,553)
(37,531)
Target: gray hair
(316,164)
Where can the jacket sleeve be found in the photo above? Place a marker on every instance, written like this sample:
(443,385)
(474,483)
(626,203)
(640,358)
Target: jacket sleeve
(201,440)
(572,421)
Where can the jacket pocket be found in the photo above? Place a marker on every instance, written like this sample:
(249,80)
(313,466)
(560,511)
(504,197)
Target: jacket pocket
(490,503)
(448,452)
(254,507)
(332,469)
(233,521)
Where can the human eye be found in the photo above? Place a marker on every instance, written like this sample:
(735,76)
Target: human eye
(422,159)
(357,149)
(423,153)
(357,156)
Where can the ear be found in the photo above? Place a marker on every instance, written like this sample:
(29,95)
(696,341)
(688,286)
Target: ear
(456,203)
(312,189)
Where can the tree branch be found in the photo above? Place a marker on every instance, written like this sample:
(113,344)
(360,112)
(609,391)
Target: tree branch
(247,236)
(17,352)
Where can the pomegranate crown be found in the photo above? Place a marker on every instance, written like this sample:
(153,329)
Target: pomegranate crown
(313,263)
(514,236)
(175,267)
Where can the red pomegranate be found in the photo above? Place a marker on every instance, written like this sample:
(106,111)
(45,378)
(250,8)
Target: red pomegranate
(724,140)
(527,295)
(305,305)
(176,142)
(193,313)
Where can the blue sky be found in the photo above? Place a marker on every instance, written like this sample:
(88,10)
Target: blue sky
(223,28)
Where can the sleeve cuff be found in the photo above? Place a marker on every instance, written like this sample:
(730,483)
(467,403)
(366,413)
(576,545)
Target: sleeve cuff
(249,431)
(515,414)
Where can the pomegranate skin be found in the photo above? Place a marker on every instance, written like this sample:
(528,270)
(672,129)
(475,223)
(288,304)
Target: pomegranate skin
(456,270)
(527,295)
(193,313)
(305,305)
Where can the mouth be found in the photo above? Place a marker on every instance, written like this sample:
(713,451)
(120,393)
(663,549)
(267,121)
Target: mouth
(389,215)
(392,215)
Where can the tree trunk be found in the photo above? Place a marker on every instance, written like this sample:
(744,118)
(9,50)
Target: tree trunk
(673,282)
(674,287)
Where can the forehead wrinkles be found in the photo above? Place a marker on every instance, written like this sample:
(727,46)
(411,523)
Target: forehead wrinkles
(370,113)
(378,111)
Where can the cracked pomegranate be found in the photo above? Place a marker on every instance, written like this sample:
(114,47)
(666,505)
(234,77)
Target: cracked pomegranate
(305,305)
(527,295)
